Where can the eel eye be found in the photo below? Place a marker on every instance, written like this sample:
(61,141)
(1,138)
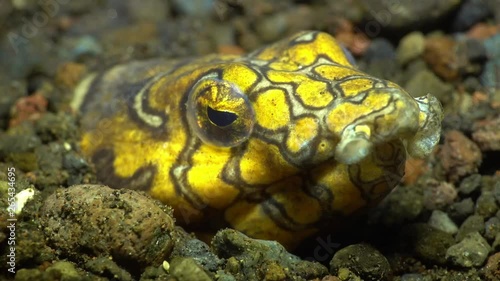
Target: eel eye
(219,113)
(221,118)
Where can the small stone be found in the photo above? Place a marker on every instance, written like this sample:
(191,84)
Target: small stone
(438,195)
(28,108)
(197,8)
(496,243)
(426,242)
(118,41)
(69,74)
(100,265)
(459,211)
(470,184)
(186,269)
(459,155)
(21,56)
(224,276)
(364,260)
(253,258)
(489,75)
(425,81)
(475,51)
(415,277)
(470,13)
(491,45)
(405,14)
(148,10)
(402,204)
(473,223)
(492,268)
(496,192)
(30,274)
(5,11)
(356,42)
(330,278)
(380,49)
(18,147)
(492,228)
(65,268)
(482,30)
(11,90)
(380,59)
(440,56)
(188,246)
(472,251)
(410,47)
(486,205)
(73,48)
(225,35)
(51,127)
(305,12)
(472,84)
(440,220)
(271,27)
(119,223)
(487,134)
(347,274)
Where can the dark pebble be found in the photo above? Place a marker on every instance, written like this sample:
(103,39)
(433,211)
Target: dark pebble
(186,269)
(470,184)
(489,75)
(440,220)
(496,243)
(20,56)
(380,49)
(438,195)
(473,223)
(491,45)
(402,204)
(123,224)
(495,8)
(426,242)
(379,59)
(486,205)
(6,10)
(475,50)
(472,84)
(74,162)
(49,158)
(472,251)
(425,81)
(105,264)
(253,259)
(410,47)
(492,228)
(199,251)
(496,192)
(459,211)
(364,260)
(457,122)
(18,147)
(415,277)
(405,14)
(470,13)
(11,91)
(76,166)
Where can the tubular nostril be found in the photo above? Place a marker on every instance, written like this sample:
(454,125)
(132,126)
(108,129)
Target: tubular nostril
(354,145)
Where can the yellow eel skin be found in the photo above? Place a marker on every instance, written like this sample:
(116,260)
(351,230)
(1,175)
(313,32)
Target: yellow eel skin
(278,143)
